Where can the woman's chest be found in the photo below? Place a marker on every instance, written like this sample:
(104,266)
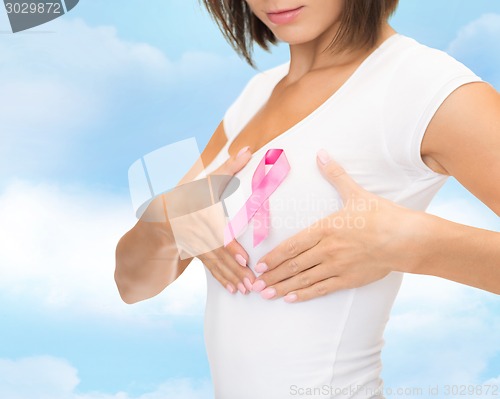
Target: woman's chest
(288,105)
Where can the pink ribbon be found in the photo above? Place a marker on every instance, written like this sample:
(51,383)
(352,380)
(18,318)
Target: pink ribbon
(257,205)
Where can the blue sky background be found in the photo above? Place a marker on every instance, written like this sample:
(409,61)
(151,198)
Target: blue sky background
(83,97)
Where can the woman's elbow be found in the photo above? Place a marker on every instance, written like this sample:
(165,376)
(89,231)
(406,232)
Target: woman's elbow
(123,285)
(132,285)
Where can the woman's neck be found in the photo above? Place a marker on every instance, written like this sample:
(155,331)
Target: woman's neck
(306,57)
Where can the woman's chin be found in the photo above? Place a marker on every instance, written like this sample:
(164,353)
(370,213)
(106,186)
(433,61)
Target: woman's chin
(293,37)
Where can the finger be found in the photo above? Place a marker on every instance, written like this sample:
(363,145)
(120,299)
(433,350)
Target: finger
(290,248)
(321,288)
(236,273)
(337,176)
(300,281)
(239,254)
(231,272)
(243,274)
(292,267)
(214,269)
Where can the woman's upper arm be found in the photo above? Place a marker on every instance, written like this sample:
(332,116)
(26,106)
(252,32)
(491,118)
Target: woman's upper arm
(463,140)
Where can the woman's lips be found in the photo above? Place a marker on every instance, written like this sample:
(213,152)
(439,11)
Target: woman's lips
(284,16)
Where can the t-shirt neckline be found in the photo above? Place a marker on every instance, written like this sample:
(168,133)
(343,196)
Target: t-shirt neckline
(283,70)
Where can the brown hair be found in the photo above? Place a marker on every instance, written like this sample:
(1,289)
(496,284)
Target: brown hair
(360,24)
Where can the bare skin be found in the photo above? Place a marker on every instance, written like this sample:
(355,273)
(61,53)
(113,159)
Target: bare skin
(319,261)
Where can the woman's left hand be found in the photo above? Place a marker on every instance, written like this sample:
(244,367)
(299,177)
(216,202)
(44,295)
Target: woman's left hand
(364,241)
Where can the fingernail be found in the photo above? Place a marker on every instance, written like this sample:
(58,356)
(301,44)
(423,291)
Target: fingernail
(292,297)
(268,293)
(323,156)
(240,259)
(242,151)
(261,267)
(230,288)
(258,285)
(241,288)
(247,283)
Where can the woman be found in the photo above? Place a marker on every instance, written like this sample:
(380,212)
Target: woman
(349,110)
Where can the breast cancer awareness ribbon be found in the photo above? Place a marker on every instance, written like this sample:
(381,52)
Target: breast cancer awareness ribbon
(257,205)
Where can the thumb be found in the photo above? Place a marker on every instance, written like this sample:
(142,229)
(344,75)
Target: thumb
(337,176)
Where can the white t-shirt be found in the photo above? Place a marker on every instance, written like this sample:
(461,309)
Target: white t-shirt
(373,126)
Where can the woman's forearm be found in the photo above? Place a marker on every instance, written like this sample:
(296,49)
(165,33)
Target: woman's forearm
(147,261)
(457,252)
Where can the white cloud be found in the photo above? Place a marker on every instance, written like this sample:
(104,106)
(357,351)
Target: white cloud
(56,86)
(477,45)
(58,248)
(441,332)
(48,377)
(493,388)
(40,377)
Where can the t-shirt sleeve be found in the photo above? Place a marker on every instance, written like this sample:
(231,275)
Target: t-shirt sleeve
(420,85)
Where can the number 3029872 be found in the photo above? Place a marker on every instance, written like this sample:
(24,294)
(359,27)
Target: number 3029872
(33,8)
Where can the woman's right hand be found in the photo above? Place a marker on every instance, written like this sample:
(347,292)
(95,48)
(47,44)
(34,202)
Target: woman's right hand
(199,231)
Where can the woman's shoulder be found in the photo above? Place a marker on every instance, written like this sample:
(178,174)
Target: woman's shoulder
(421,77)
(418,84)
(420,61)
